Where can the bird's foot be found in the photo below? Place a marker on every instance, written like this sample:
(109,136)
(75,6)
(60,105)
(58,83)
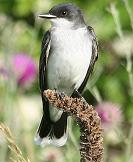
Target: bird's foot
(76,94)
(60,95)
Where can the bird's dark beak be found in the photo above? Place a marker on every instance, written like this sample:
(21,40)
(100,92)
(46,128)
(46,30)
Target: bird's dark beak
(47,16)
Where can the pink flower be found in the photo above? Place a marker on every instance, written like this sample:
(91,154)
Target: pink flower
(52,155)
(24,69)
(110,114)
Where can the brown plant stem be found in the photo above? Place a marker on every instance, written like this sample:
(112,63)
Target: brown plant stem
(91,140)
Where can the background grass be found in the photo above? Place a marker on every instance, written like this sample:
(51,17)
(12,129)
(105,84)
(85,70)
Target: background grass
(112,80)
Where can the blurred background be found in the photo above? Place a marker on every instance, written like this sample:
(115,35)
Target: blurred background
(110,88)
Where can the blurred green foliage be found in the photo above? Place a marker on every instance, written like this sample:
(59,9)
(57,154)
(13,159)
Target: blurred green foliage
(21,31)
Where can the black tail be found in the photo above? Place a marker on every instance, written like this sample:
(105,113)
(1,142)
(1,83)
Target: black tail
(52,132)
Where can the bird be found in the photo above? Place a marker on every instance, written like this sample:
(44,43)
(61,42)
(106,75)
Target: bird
(69,51)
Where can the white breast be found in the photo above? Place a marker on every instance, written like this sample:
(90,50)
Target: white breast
(69,59)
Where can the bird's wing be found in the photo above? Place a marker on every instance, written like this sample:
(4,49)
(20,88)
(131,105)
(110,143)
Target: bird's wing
(45,47)
(49,130)
(94,57)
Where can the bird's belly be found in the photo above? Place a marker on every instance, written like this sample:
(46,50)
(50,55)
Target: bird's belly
(67,73)
(61,75)
(68,63)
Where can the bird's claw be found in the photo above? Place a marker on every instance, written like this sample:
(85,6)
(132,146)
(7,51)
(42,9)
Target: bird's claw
(60,95)
(78,95)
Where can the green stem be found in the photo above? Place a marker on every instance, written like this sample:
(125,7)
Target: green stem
(129,11)
(113,10)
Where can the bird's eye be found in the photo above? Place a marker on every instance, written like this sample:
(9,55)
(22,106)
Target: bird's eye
(63,13)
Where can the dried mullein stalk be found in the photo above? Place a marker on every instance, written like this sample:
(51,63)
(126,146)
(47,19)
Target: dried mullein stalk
(12,145)
(91,140)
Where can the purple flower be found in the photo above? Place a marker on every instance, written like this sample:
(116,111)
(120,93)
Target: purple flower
(24,69)
(110,114)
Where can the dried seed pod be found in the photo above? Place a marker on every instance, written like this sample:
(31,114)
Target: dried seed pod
(91,140)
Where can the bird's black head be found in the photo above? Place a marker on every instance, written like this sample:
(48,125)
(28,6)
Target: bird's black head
(67,10)
(65,14)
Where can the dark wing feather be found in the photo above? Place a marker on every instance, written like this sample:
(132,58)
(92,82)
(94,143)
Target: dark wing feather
(94,57)
(42,70)
(47,127)
(43,61)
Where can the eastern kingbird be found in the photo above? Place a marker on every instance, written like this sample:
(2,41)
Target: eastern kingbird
(68,54)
